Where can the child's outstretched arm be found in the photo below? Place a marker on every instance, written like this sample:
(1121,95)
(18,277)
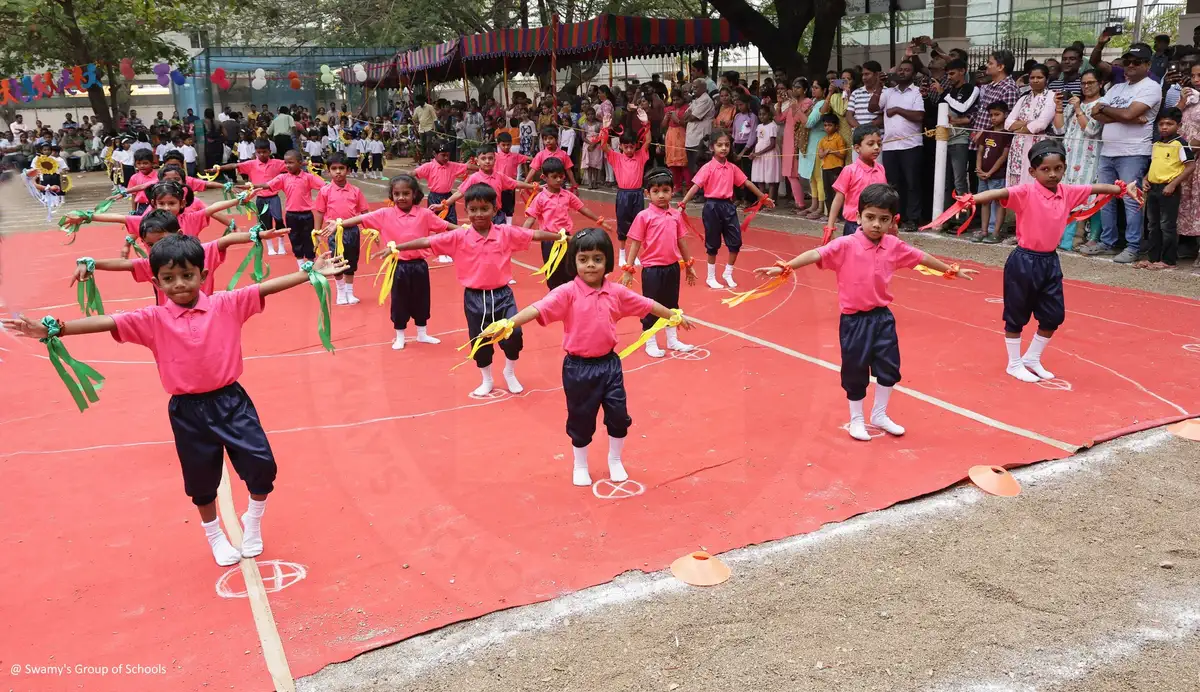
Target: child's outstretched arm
(934,263)
(692,193)
(414,244)
(223,219)
(36,330)
(660,310)
(326,265)
(802,260)
(72,217)
(525,316)
(1098,189)
(588,213)
(243,237)
(108,265)
(222,206)
(1002,193)
(764,199)
(546,236)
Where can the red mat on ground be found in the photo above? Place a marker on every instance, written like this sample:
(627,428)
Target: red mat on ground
(386,462)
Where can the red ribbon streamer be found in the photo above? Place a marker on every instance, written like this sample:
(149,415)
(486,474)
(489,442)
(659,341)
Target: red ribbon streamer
(688,222)
(961,202)
(752,212)
(827,235)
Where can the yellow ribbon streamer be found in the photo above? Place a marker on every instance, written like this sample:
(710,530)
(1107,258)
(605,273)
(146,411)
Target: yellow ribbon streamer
(930,271)
(337,234)
(658,326)
(764,289)
(369,237)
(319,244)
(209,175)
(557,252)
(492,334)
(388,271)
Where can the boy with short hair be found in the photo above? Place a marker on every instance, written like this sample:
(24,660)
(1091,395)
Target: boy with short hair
(1171,163)
(990,166)
(439,176)
(552,210)
(485,157)
(143,163)
(197,346)
(858,176)
(338,199)
(262,170)
(550,149)
(509,163)
(832,152)
(865,262)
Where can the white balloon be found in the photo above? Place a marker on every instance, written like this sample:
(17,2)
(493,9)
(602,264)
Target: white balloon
(258,83)
(327,78)
(260,73)
(324,69)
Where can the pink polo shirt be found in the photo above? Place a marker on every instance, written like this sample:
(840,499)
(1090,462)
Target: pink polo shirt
(141,179)
(627,169)
(480,262)
(214,257)
(544,154)
(190,223)
(864,269)
(440,178)
(509,163)
(853,180)
(340,202)
(553,210)
(196,205)
(262,173)
(1042,214)
(402,226)
(196,184)
(659,231)
(197,349)
(718,179)
(590,315)
(297,189)
(496,180)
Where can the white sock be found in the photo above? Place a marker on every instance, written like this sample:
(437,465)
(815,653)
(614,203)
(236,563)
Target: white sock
(616,470)
(299,263)
(728,276)
(580,476)
(252,542)
(424,338)
(674,343)
(879,416)
(399,342)
(341,292)
(223,551)
(510,377)
(621,262)
(485,387)
(712,277)
(279,246)
(652,348)
(349,288)
(858,427)
(1033,357)
(1015,367)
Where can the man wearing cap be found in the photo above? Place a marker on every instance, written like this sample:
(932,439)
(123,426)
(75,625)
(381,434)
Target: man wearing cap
(1128,112)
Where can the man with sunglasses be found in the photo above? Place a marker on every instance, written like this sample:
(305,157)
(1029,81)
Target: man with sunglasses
(1128,112)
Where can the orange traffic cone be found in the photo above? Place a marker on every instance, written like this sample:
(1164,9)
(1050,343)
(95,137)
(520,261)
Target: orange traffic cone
(700,569)
(1188,430)
(994,480)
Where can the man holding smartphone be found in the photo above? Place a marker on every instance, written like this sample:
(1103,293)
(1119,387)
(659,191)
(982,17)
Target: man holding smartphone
(1067,82)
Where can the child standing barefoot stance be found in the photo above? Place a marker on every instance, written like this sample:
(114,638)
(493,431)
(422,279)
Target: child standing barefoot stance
(1033,280)
(657,237)
(483,263)
(196,340)
(864,263)
(589,307)
(718,178)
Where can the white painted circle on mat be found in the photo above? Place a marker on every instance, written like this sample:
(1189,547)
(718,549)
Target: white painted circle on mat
(993,300)
(494,394)
(1057,383)
(277,575)
(697,353)
(871,430)
(606,489)
(1192,348)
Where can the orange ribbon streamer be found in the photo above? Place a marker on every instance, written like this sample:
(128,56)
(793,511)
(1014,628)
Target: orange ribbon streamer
(1088,211)
(966,201)
(764,289)
(930,271)
(827,235)
(532,193)
(752,212)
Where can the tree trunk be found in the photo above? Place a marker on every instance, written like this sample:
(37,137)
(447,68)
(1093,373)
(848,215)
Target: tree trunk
(779,45)
(524,12)
(100,108)
(486,87)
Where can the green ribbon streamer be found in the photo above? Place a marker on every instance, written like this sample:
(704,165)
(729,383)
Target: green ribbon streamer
(244,206)
(87,292)
(321,284)
(231,229)
(73,228)
(84,381)
(103,206)
(130,240)
(256,256)
(227,191)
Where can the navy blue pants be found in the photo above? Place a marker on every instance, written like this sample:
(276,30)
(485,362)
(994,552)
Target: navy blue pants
(660,284)
(482,307)
(350,240)
(140,208)
(270,212)
(630,203)
(869,347)
(592,383)
(377,162)
(300,228)
(435,197)
(410,293)
(1033,285)
(850,228)
(721,223)
(508,203)
(560,275)
(208,425)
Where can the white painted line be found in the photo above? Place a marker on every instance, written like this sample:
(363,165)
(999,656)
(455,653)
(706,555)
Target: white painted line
(256,593)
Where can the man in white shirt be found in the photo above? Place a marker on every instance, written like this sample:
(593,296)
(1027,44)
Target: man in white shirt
(699,119)
(17,127)
(903,110)
(1128,112)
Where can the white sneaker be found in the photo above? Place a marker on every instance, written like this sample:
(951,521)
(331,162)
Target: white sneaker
(653,350)
(1021,373)
(887,425)
(858,430)
(616,471)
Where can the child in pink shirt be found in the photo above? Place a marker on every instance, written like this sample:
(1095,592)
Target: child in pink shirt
(656,237)
(440,174)
(297,185)
(1033,280)
(864,263)
(485,157)
(550,150)
(483,263)
(509,164)
(628,166)
(399,223)
(261,170)
(143,162)
(864,172)
(341,200)
(589,306)
(197,345)
(552,210)
(718,178)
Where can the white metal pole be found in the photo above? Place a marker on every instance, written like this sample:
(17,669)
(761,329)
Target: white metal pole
(939,165)
(1137,21)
